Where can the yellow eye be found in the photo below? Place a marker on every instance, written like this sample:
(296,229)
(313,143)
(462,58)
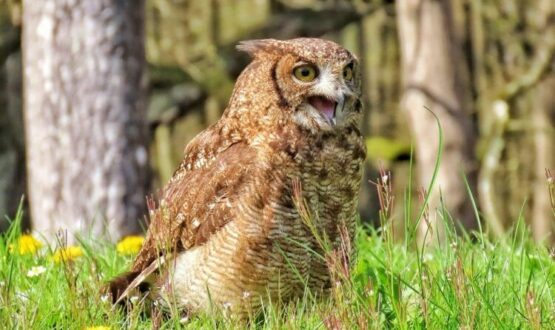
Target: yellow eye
(348,72)
(305,73)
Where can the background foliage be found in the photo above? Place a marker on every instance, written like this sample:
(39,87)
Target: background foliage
(507,47)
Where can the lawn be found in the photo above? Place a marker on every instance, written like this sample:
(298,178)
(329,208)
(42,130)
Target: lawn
(467,282)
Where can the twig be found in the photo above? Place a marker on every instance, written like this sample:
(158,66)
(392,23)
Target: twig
(541,65)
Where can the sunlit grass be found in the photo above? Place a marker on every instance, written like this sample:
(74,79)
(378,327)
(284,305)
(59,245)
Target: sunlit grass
(463,282)
(509,283)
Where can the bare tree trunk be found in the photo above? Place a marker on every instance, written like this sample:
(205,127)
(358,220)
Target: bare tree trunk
(433,78)
(543,117)
(84,101)
(12,163)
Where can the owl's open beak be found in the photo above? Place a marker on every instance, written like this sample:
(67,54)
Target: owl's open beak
(325,106)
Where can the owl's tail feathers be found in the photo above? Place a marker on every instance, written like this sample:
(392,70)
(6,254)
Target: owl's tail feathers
(119,286)
(127,284)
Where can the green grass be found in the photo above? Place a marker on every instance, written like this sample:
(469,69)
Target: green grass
(461,284)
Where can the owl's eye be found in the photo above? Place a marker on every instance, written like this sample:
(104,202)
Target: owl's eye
(305,73)
(348,72)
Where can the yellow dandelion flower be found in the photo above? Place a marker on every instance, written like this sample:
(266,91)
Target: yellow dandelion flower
(130,245)
(67,254)
(26,244)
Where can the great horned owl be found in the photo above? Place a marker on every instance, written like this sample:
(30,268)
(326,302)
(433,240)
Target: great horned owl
(227,231)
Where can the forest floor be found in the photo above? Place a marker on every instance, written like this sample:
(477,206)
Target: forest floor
(463,283)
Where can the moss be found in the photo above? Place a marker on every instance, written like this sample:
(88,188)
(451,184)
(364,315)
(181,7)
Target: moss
(381,148)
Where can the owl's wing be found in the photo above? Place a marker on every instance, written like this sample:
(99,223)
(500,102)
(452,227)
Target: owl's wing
(196,203)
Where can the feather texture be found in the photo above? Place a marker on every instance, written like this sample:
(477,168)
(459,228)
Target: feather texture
(227,225)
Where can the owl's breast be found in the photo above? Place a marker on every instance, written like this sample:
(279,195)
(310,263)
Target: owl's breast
(331,171)
(330,168)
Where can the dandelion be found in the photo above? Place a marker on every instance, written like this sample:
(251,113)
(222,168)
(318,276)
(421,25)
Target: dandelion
(67,254)
(26,244)
(130,245)
(36,271)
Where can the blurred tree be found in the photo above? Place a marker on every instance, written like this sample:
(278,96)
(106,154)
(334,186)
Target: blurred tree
(12,173)
(513,51)
(84,94)
(543,117)
(434,77)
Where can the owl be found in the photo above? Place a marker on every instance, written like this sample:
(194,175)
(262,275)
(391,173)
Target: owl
(228,230)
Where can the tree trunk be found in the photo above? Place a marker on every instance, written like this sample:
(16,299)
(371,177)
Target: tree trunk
(12,164)
(543,118)
(84,101)
(433,78)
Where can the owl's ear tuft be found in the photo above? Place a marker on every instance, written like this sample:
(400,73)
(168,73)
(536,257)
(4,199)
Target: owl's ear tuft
(256,48)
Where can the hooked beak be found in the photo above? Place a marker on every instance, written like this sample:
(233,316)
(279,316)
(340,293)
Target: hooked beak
(327,107)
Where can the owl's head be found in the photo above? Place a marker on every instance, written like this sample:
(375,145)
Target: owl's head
(314,81)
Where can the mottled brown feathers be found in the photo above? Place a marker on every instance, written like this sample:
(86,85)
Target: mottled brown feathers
(227,226)
(197,204)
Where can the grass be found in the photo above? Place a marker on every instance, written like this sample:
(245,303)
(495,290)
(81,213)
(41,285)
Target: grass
(463,283)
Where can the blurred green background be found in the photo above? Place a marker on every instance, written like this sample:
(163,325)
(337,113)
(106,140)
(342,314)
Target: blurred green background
(497,57)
